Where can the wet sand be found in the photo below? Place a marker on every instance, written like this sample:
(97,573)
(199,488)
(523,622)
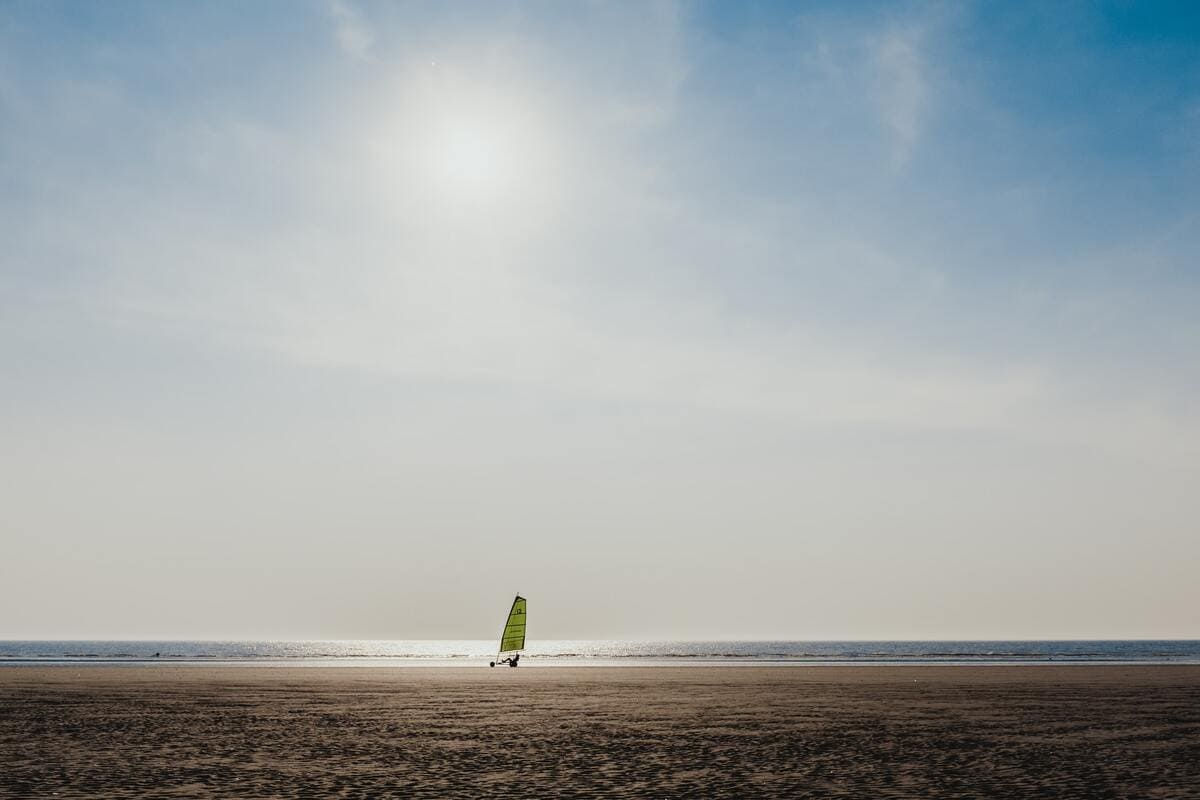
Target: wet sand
(922,731)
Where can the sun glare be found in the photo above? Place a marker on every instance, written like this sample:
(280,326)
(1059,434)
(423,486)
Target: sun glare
(459,147)
(471,160)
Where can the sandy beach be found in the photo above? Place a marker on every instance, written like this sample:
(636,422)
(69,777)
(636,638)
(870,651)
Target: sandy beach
(921,731)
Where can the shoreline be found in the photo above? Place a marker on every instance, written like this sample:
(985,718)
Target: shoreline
(1034,673)
(534,662)
(372,663)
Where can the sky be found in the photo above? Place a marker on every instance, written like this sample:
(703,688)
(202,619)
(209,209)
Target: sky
(686,321)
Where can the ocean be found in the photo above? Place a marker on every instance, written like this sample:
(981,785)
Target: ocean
(564,652)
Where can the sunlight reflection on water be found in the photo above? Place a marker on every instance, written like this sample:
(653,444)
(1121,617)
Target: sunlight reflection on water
(579,652)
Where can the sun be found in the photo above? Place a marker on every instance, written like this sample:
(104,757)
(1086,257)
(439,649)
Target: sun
(463,148)
(472,159)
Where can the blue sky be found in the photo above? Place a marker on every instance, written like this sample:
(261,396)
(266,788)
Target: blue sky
(776,298)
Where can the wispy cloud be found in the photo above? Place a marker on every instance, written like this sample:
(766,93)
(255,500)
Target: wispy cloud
(351,29)
(903,90)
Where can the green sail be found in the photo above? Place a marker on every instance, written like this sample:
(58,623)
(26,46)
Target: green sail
(513,637)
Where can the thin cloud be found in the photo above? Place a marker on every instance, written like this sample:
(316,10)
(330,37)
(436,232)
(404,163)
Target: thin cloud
(903,91)
(353,34)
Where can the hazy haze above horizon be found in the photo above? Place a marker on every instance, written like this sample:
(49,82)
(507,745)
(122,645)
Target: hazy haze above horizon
(700,320)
